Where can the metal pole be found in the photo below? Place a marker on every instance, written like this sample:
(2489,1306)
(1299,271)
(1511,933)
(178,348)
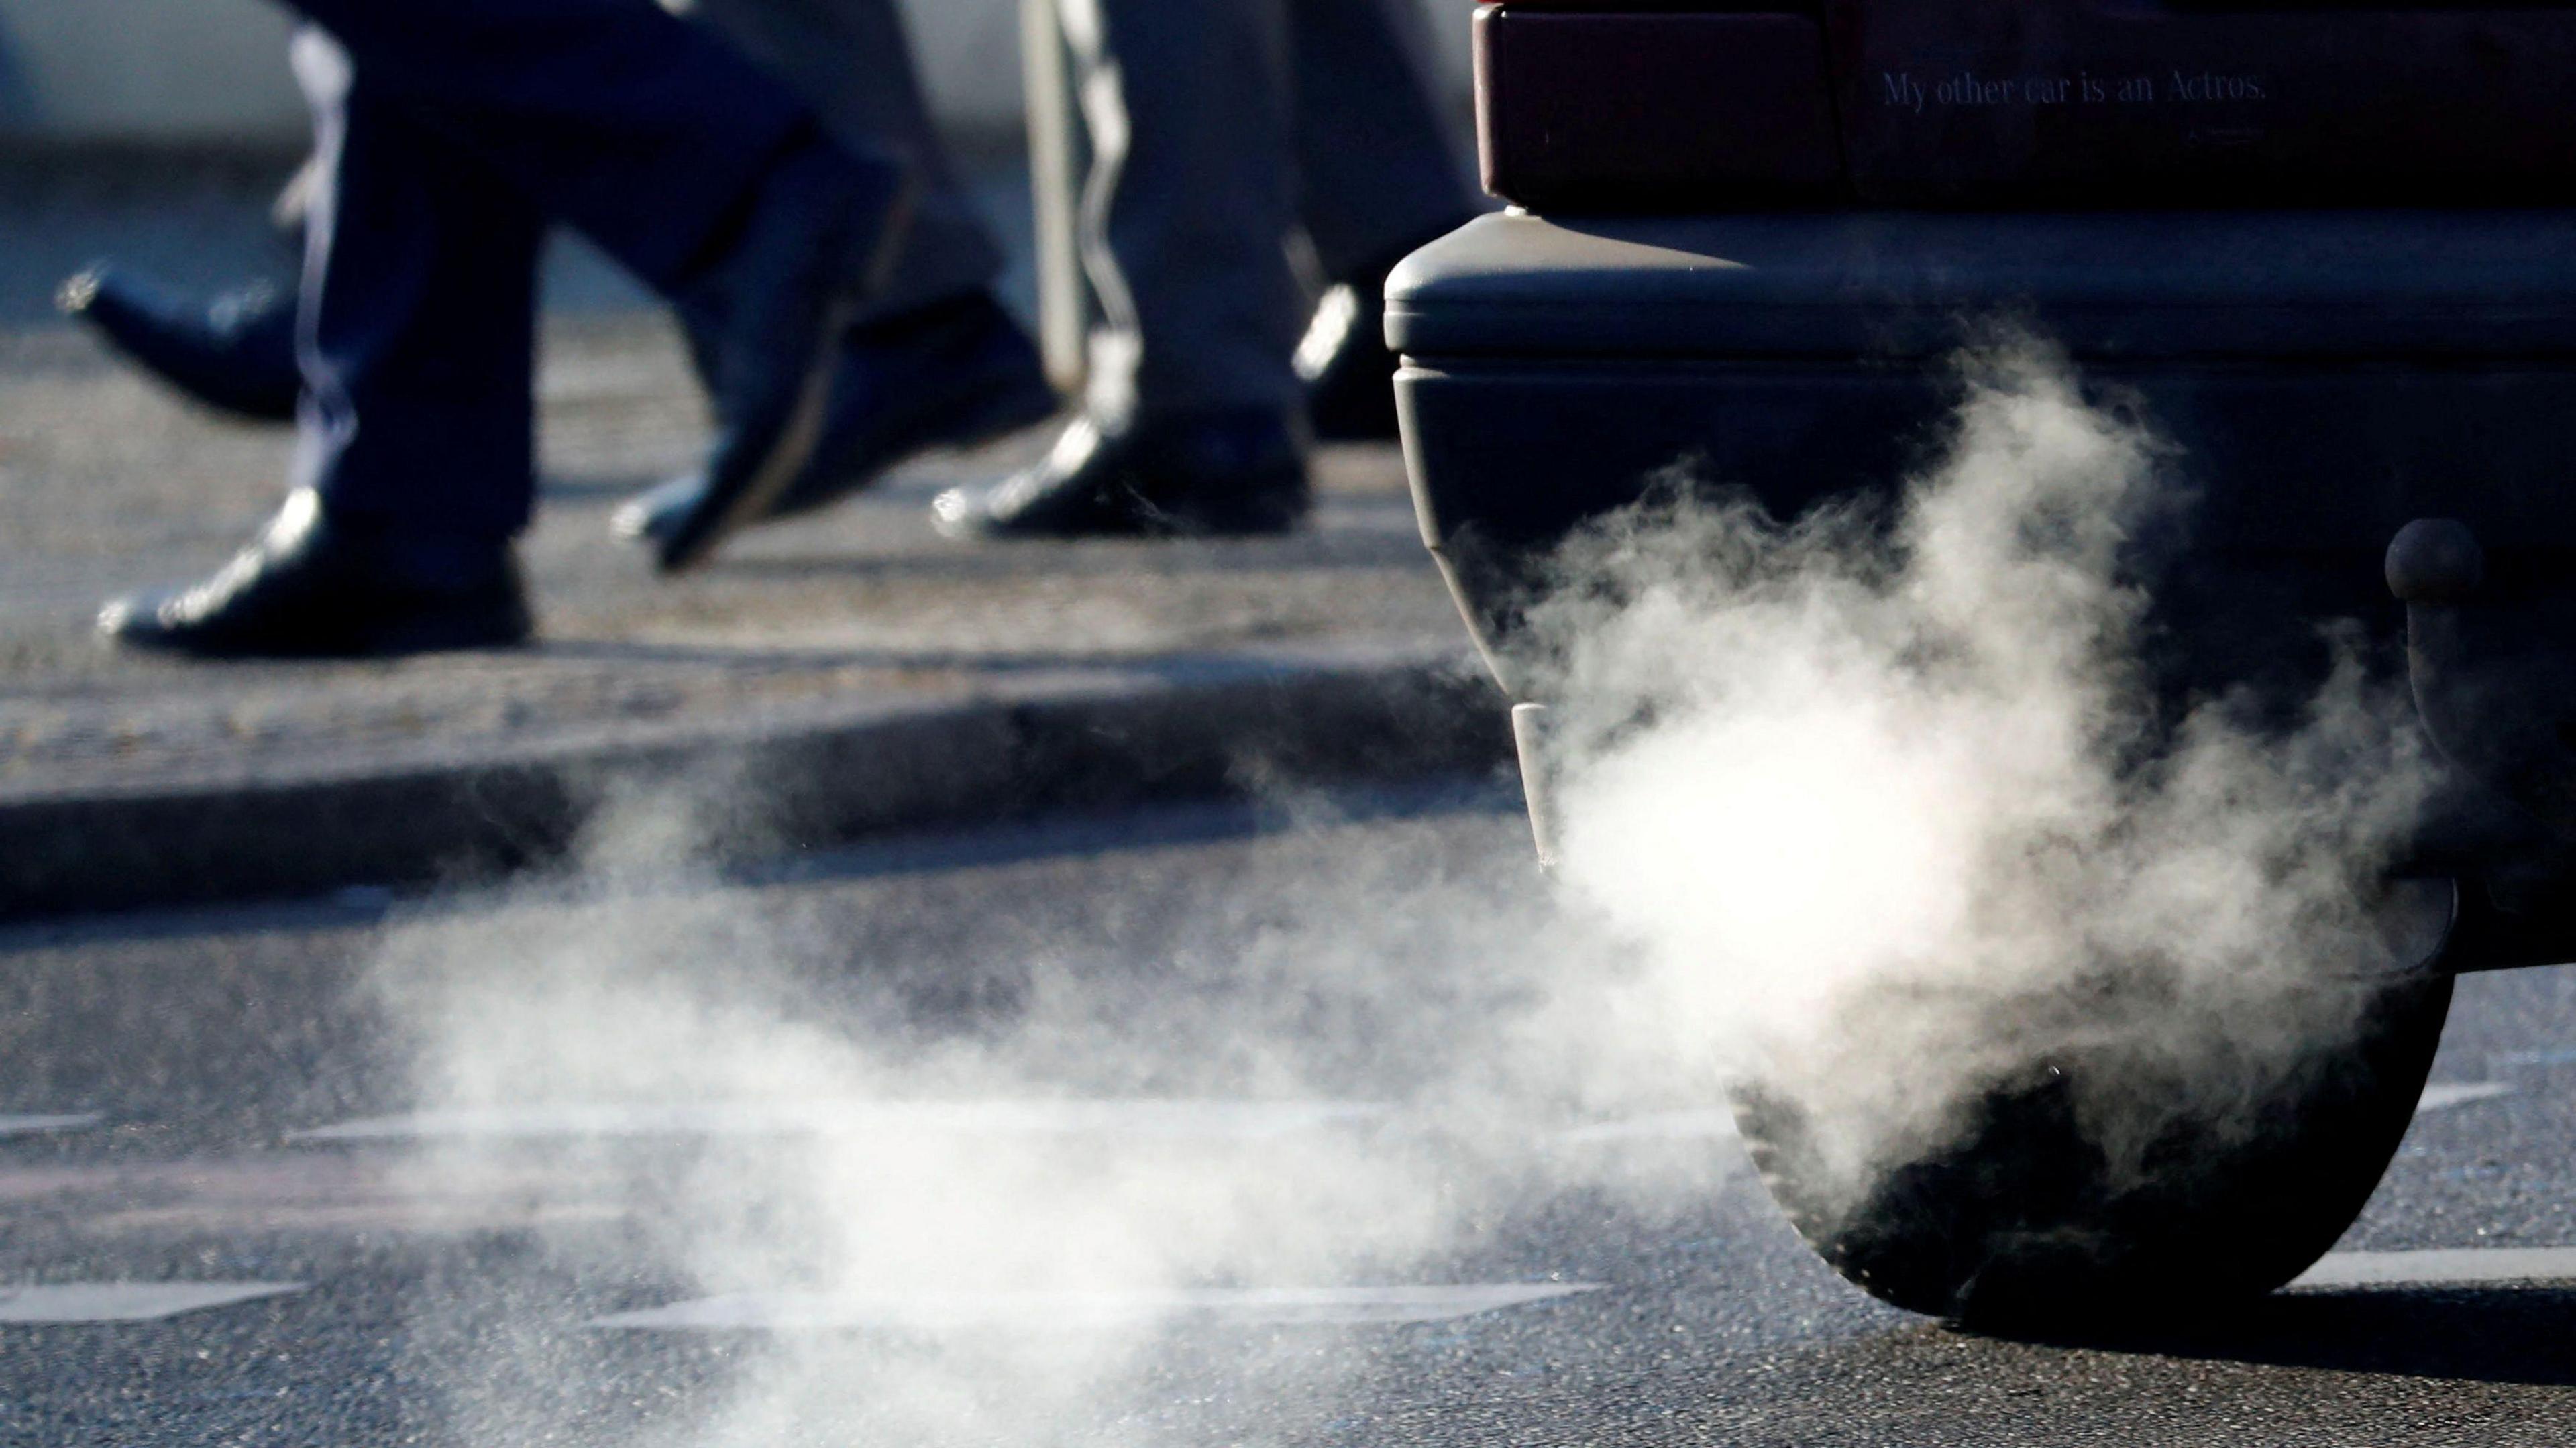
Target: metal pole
(1055,191)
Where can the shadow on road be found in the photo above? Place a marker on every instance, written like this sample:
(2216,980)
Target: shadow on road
(2522,1335)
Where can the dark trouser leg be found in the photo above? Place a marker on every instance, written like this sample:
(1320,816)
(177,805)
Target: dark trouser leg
(1377,168)
(687,163)
(413,432)
(608,114)
(1378,176)
(852,63)
(1190,203)
(416,323)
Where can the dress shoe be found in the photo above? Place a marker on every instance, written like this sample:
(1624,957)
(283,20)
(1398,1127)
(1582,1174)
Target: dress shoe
(1348,371)
(315,586)
(950,375)
(820,238)
(235,354)
(1210,474)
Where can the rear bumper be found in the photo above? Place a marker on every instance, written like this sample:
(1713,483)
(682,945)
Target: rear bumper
(2322,391)
(2327,376)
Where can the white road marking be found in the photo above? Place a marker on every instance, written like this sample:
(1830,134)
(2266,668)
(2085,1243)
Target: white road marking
(318,1191)
(39,1125)
(1175,1119)
(2443,1095)
(2563,1056)
(2465,1266)
(1711,1123)
(961,1311)
(129,1301)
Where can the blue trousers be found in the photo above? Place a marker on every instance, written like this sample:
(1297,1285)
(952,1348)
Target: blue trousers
(452,134)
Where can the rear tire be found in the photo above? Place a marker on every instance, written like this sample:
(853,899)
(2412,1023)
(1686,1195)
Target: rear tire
(2019,1221)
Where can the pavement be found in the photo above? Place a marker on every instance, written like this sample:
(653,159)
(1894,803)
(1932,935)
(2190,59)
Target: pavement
(1193,1125)
(841,674)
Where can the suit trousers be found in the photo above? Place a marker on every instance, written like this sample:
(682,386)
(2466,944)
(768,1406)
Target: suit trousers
(851,61)
(452,132)
(1220,129)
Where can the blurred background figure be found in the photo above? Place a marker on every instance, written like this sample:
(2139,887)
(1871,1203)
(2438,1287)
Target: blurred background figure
(934,360)
(450,133)
(1223,132)
(1245,153)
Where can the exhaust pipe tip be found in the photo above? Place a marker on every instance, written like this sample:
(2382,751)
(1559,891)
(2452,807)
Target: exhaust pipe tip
(1538,778)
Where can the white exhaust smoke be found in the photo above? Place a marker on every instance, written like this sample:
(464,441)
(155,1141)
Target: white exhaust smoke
(1854,803)
(1886,797)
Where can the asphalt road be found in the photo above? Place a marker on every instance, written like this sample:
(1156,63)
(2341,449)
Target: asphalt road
(1209,1126)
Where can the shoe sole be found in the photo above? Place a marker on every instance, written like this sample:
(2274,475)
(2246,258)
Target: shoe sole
(386,643)
(1158,526)
(1257,517)
(637,519)
(998,419)
(803,431)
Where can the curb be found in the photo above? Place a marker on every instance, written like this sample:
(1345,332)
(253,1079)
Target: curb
(1230,728)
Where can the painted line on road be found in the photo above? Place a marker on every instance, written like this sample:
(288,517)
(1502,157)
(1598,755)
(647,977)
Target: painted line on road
(1166,1119)
(1212,1307)
(42,1125)
(72,1302)
(1709,1123)
(2562,1056)
(2443,1095)
(2472,1266)
(301,1191)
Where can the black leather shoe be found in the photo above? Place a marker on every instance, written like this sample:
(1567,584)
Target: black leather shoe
(1191,475)
(951,375)
(236,353)
(313,586)
(820,238)
(1348,371)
